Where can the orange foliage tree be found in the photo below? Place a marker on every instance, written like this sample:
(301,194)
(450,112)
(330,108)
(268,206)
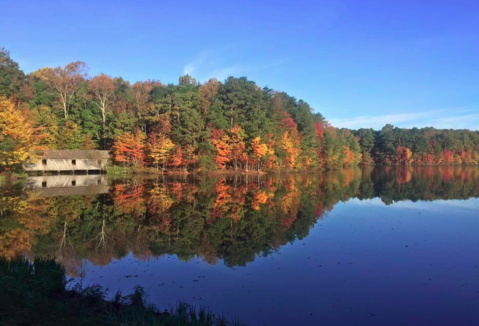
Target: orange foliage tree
(236,144)
(128,149)
(223,149)
(403,155)
(259,198)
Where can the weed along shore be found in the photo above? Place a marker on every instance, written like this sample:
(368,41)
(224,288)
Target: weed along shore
(38,293)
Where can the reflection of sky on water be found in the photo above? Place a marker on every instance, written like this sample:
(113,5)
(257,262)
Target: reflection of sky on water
(366,263)
(435,205)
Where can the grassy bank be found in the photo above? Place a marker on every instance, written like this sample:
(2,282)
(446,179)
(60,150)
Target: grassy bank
(37,293)
(115,170)
(122,170)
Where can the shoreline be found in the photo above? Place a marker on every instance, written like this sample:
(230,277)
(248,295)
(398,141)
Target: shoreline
(125,171)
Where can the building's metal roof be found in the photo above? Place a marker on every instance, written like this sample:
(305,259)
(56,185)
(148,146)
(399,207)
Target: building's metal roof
(73,154)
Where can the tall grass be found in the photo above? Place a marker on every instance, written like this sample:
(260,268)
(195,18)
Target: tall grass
(37,293)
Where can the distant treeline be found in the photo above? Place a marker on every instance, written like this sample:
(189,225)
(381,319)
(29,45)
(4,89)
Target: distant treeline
(423,146)
(233,124)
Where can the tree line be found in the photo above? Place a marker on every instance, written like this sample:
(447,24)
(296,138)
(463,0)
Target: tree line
(233,124)
(425,146)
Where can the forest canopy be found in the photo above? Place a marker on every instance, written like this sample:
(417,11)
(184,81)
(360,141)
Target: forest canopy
(230,124)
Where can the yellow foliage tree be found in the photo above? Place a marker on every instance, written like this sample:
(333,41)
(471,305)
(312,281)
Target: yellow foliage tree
(259,150)
(15,134)
(476,158)
(349,157)
(160,147)
(289,146)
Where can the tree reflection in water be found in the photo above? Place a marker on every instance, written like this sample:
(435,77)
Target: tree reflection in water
(232,218)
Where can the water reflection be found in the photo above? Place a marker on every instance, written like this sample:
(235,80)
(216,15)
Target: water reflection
(232,218)
(67,185)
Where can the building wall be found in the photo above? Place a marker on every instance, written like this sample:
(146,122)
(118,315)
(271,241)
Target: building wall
(66,165)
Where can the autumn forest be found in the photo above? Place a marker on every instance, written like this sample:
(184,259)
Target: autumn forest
(192,126)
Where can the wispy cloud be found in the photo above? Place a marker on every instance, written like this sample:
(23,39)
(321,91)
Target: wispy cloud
(223,73)
(217,64)
(380,120)
(242,70)
(445,119)
(191,67)
(461,121)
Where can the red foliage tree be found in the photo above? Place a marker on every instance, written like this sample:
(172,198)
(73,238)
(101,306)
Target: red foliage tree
(319,130)
(176,159)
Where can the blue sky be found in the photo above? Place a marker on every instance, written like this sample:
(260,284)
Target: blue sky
(360,63)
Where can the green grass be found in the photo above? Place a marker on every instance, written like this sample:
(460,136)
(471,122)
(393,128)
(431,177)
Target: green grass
(115,170)
(37,293)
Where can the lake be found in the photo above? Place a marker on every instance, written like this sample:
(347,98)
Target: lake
(370,246)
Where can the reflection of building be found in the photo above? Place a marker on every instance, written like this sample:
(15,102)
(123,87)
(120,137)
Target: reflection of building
(67,185)
(68,160)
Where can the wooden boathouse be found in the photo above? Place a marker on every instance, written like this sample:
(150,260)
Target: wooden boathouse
(72,161)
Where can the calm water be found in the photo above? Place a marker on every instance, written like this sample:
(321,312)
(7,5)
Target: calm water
(389,246)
